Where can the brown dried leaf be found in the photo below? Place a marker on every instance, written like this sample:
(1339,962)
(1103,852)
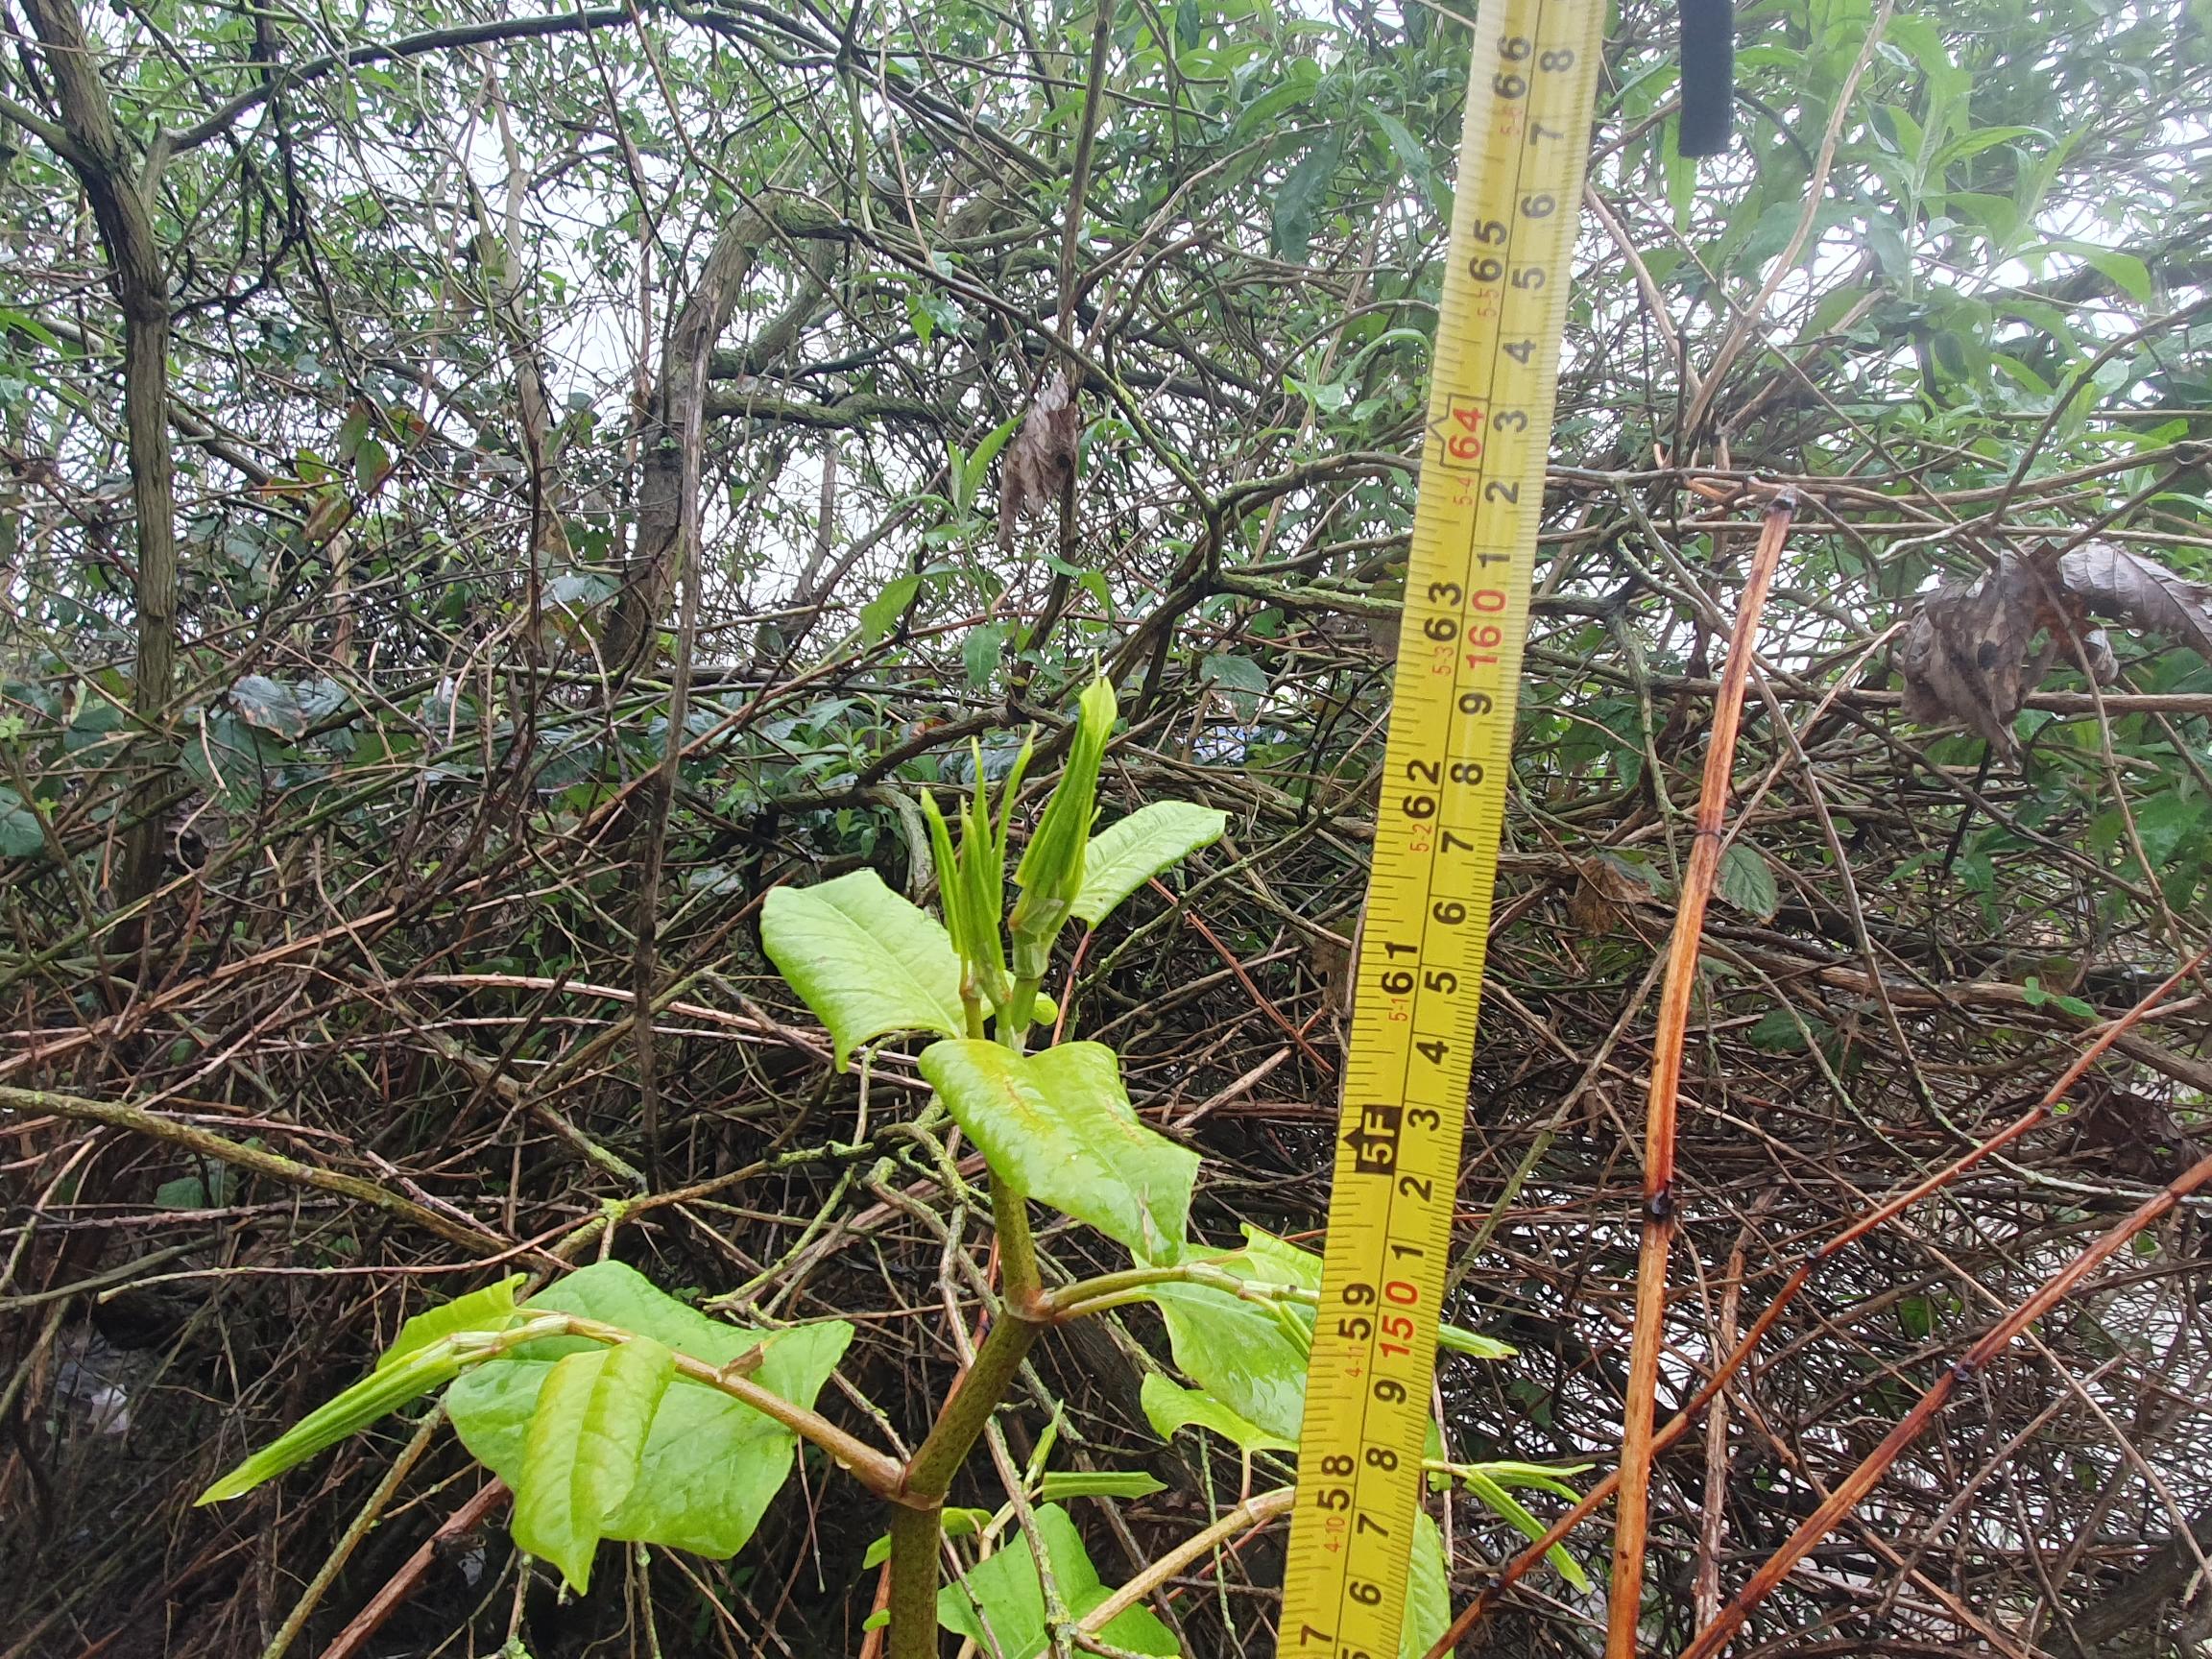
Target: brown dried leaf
(2135,1134)
(1963,657)
(2125,587)
(1039,462)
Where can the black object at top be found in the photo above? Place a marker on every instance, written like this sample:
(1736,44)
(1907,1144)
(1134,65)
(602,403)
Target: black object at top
(1708,75)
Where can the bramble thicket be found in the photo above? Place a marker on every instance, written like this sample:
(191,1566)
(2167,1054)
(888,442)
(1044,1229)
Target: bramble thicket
(690,710)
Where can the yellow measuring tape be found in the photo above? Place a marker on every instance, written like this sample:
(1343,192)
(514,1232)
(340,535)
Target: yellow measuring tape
(1426,935)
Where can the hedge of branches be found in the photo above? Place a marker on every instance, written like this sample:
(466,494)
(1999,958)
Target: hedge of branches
(620,457)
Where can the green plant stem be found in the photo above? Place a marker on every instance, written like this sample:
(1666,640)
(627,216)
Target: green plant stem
(918,1504)
(915,1537)
(1020,1285)
(1134,1284)
(1254,1512)
(1021,1003)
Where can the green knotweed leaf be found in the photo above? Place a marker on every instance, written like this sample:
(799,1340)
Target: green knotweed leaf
(982,876)
(1123,854)
(381,1391)
(1098,1483)
(951,889)
(1460,1341)
(424,1357)
(958,1522)
(1249,1355)
(491,1308)
(1274,1261)
(866,961)
(581,1451)
(1168,1408)
(1002,1605)
(710,1466)
(1050,874)
(1428,1592)
(1515,1514)
(1058,1127)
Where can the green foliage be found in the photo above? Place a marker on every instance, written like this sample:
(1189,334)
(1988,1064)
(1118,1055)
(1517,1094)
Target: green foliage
(1000,1605)
(382,1392)
(959,1522)
(2033,994)
(1060,1485)
(1126,854)
(1492,1483)
(866,960)
(583,1450)
(1251,1356)
(20,836)
(1249,1353)
(1050,874)
(971,884)
(1981,327)
(1298,201)
(1428,1591)
(1168,1408)
(709,1464)
(597,1438)
(1057,1126)
(1746,883)
(488,1312)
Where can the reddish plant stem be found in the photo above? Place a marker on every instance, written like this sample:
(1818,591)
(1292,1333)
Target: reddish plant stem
(1863,1479)
(1259,999)
(1624,1600)
(403,1584)
(1529,1558)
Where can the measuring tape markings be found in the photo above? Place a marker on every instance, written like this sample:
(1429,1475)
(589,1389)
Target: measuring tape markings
(1447,761)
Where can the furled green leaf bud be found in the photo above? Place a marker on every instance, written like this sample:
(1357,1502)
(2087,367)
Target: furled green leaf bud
(961,919)
(1050,875)
(983,880)
(951,891)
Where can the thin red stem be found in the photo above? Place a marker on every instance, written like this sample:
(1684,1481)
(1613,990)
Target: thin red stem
(1522,1564)
(1625,1594)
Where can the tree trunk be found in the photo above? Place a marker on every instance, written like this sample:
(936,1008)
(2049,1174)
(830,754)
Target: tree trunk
(668,490)
(120,186)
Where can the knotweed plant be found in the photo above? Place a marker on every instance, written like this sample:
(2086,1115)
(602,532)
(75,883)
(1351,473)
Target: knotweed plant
(616,1411)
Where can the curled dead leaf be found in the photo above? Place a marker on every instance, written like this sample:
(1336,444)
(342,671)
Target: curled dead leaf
(1966,655)
(1039,461)
(1606,888)
(2122,585)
